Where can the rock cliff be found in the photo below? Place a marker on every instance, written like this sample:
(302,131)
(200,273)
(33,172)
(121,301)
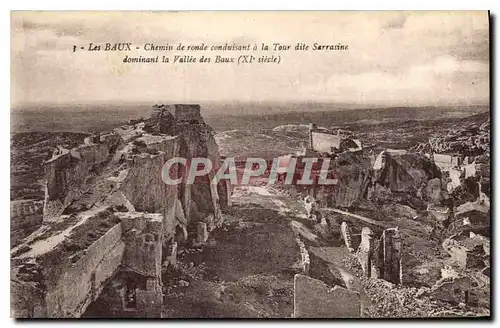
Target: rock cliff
(108,210)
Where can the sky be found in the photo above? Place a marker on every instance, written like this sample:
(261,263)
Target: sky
(393,58)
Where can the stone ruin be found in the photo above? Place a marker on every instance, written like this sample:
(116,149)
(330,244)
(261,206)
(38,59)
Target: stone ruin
(25,217)
(110,222)
(380,258)
(315,299)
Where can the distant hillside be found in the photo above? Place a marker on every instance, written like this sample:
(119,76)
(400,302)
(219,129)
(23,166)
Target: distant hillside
(332,118)
(224,116)
(28,152)
(398,132)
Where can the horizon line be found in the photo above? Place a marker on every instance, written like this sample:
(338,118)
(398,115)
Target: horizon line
(252,102)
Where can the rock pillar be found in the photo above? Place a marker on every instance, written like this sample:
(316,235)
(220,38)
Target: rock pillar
(202,232)
(391,243)
(366,251)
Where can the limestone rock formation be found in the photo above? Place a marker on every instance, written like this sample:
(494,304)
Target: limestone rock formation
(315,299)
(404,172)
(109,219)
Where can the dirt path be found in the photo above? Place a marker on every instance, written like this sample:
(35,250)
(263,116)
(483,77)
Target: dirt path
(246,268)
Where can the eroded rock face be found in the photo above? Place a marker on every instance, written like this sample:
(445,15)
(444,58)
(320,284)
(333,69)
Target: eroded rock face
(354,177)
(130,159)
(353,173)
(60,275)
(404,172)
(202,197)
(117,174)
(315,299)
(366,251)
(69,174)
(25,217)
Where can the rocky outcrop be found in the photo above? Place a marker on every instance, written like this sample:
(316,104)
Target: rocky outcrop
(71,173)
(353,174)
(391,173)
(131,157)
(110,217)
(59,276)
(404,172)
(315,299)
(26,216)
(381,258)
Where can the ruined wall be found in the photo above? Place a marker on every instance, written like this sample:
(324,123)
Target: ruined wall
(323,142)
(67,287)
(142,234)
(305,261)
(69,175)
(122,168)
(354,177)
(25,217)
(404,172)
(64,287)
(201,198)
(381,258)
(462,289)
(390,243)
(447,162)
(81,282)
(366,252)
(143,185)
(315,299)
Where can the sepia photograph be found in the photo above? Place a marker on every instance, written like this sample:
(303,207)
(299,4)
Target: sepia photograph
(250,165)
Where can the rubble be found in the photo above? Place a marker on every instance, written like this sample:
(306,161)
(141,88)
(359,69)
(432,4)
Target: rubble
(468,252)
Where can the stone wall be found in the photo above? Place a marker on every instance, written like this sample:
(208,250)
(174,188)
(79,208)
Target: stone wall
(381,258)
(185,112)
(142,234)
(69,175)
(366,251)
(66,287)
(80,282)
(391,255)
(305,261)
(313,298)
(123,169)
(323,142)
(25,217)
